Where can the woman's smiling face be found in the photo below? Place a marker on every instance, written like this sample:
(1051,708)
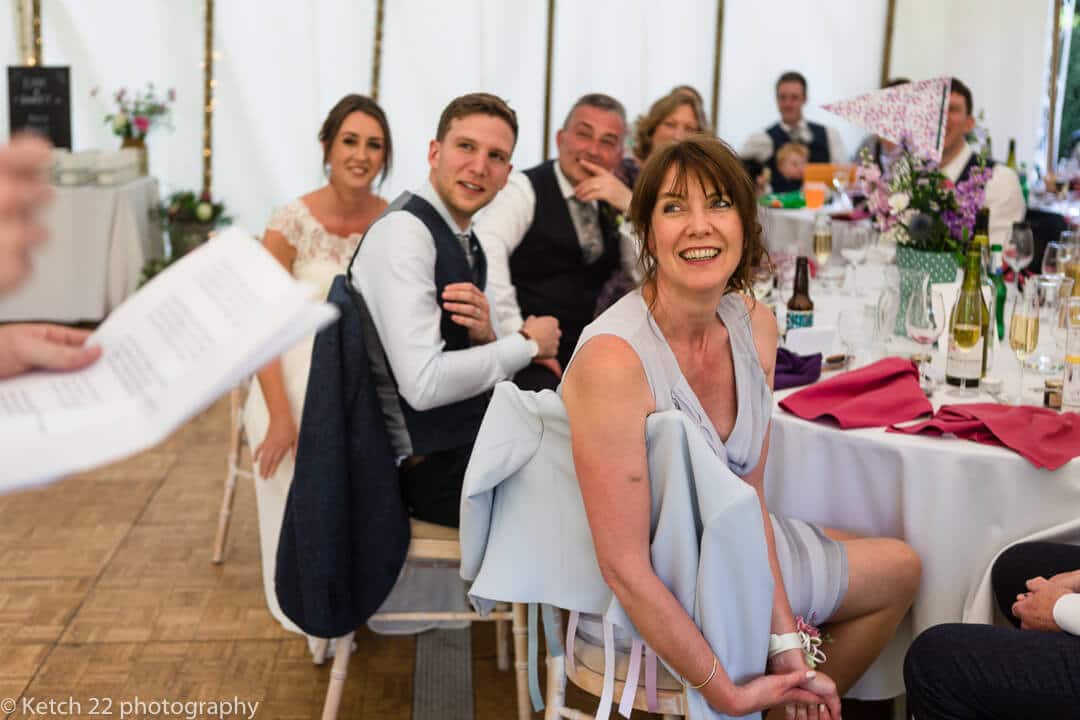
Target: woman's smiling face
(696,234)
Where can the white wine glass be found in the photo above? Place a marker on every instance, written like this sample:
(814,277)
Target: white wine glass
(1055,257)
(924,318)
(1024,332)
(853,245)
(1021,250)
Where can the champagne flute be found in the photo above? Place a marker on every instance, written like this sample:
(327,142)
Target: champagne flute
(1024,333)
(822,244)
(924,318)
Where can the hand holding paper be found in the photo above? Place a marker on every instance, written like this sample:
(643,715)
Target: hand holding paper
(26,347)
(170,350)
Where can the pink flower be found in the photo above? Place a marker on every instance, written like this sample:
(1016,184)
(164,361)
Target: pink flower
(172,94)
(868,173)
(142,123)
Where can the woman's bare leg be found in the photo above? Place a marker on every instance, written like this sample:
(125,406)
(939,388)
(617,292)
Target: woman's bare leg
(883,577)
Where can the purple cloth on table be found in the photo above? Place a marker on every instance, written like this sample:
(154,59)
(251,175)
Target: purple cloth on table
(794,370)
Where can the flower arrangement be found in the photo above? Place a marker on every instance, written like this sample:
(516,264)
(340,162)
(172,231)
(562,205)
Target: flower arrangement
(190,219)
(139,113)
(915,204)
(187,207)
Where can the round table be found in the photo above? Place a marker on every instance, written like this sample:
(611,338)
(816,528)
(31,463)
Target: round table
(958,503)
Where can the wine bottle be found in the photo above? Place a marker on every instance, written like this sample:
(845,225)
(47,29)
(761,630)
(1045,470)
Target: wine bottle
(981,241)
(997,271)
(800,308)
(967,327)
(1011,162)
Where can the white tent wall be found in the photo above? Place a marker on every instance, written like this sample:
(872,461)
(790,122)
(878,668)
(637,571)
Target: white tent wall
(998,48)
(836,45)
(634,51)
(434,51)
(110,44)
(9,54)
(283,64)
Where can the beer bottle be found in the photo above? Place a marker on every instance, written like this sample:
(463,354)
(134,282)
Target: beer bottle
(800,308)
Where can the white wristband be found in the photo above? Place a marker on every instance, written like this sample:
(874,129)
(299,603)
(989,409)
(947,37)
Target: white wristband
(783,643)
(1067,613)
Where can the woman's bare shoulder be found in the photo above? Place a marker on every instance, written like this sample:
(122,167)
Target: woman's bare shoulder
(606,365)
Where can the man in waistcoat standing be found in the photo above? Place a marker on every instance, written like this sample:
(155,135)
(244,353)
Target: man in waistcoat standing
(556,234)
(421,276)
(823,142)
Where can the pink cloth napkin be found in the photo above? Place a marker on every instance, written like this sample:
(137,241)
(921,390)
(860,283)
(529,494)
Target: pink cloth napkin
(1045,437)
(883,393)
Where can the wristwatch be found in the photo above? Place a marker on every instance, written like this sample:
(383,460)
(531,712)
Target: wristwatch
(534,347)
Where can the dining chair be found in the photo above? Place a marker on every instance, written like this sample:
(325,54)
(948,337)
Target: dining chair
(586,670)
(824,172)
(430,542)
(237,437)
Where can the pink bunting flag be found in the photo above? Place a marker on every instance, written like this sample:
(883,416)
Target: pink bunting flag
(915,110)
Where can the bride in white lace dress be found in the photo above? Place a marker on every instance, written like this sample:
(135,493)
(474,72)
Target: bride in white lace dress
(314,237)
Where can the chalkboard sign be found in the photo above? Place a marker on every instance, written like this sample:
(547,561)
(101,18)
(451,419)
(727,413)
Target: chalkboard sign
(39,98)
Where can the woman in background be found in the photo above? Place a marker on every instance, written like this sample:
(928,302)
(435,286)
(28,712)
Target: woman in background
(670,119)
(313,237)
(673,117)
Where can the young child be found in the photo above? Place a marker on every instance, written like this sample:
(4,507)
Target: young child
(791,161)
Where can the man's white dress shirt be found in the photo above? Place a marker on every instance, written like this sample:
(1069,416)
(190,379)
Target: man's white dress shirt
(1067,613)
(394,270)
(501,227)
(1004,198)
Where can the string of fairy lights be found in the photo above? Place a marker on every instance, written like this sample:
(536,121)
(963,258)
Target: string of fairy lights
(208,101)
(28,31)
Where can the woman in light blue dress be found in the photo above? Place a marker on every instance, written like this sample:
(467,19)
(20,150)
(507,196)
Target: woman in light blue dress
(692,339)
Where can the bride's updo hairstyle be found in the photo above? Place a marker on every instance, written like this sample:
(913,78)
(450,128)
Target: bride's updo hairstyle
(712,163)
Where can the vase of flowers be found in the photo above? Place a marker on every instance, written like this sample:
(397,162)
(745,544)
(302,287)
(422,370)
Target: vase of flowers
(926,214)
(190,220)
(136,114)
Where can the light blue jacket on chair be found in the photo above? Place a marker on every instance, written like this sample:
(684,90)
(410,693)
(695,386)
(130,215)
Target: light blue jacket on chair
(525,537)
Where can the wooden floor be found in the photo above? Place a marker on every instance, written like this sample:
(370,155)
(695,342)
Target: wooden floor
(107,594)
(108,598)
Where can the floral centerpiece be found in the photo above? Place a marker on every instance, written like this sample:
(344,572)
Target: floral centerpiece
(138,113)
(917,206)
(190,220)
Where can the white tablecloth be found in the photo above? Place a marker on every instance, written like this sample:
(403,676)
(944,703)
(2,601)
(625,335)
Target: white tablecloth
(958,503)
(791,232)
(788,231)
(100,239)
(1068,208)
